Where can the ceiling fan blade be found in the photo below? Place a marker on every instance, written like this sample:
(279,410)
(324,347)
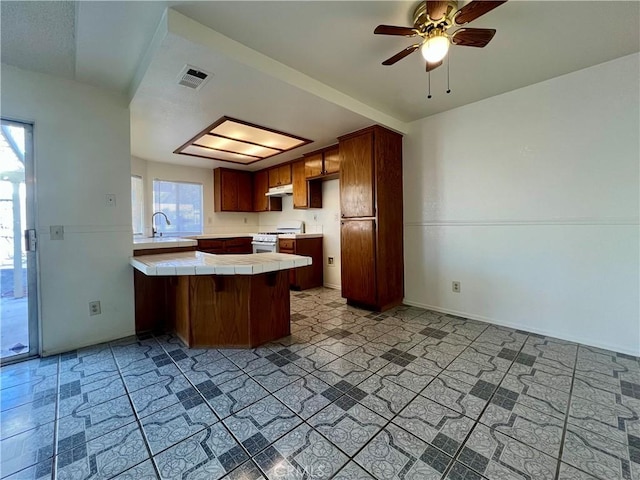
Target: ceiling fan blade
(400,55)
(473,37)
(436,9)
(475,9)
(391,30)
(433,65)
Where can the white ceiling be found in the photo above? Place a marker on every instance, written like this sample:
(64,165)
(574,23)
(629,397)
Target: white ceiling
(311,68)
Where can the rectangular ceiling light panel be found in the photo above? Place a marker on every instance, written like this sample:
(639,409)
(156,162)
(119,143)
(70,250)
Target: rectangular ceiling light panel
(231,140)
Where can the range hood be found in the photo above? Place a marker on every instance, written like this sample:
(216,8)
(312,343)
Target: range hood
(280,191)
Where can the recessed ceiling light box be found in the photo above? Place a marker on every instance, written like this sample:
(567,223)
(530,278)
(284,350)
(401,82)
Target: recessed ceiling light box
(236,141)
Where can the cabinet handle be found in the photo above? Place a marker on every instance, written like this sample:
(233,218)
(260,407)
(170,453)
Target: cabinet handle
(343,215)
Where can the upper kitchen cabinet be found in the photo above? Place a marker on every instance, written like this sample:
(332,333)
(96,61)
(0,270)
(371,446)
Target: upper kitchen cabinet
(232,190)
(262,203)
(323,164)
(371,225)
(305,194)
(280,175)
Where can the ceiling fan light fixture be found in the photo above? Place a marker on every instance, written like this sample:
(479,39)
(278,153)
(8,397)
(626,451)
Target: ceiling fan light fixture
(435,48)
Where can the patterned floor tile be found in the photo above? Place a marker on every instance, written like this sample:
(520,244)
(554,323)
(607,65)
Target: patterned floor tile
(39,392)
(219,371)
(503,337)
(309,358)
(396,454)
(31,371)
(189,358)
(556,379)
(137,379)
(232,396)
(529,426)
(383,396)
(579,453)
(607,357)
(469,372)
(142,471)
(415,375)
(459,471)
(252,359)
(177,422)
(539,397)
(433,423)
(103,457)
(76,396)
(26,417)
(274,377)
(79,359)
(347,424)
(91,372)
(368,356)
(247,471)
(209,454)
(436,358)
(568,472)
(159,396)
(352,471)
(261,424)
(40,471)
(495,455)
(26,449)
(302,453)
(489,362)
(342,374)
(467,399)
(611,420)
(95,421)
(307,396)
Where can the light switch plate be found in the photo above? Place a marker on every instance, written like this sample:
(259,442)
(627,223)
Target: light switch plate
(56,232)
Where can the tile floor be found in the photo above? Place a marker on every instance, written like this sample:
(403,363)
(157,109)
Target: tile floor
(408,394)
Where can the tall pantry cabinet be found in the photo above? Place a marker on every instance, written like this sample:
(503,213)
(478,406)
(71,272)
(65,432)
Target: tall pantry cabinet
(371,225)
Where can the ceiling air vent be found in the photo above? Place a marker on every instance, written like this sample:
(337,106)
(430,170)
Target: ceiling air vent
(193,77)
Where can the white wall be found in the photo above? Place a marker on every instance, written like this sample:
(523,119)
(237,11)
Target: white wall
(325,220)
(81,137)
(222,222)
(530,200)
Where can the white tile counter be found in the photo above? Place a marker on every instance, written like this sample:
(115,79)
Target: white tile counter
(200,263)
(144,243)
(300,235)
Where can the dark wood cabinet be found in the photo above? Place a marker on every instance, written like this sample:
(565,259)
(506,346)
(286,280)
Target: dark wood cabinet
(305,194)
(280,175)
(223,246)
(232,190)
(371,229)
(312,276)
(262,203)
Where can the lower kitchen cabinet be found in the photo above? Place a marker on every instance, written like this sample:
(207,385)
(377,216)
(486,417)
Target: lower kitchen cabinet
(304,277)
(358,244)
(222,246)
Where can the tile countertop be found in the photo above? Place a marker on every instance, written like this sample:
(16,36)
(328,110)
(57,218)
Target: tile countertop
(144,243)
(199,263)
(300,235)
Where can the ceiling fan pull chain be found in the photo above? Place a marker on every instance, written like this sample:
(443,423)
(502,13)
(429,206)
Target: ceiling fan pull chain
(448,62)
(429,92)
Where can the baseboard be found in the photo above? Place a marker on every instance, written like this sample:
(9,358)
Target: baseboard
(332,286)
(56,351)
(539,331)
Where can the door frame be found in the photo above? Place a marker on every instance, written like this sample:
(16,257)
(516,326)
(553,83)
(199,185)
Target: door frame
(33,302)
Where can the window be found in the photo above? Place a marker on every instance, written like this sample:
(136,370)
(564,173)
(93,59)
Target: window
(181,202)
(137,204)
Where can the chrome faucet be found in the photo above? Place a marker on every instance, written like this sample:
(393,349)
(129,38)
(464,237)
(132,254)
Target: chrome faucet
(153,228)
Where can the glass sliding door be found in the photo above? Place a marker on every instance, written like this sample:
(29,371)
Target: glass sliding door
(18,275)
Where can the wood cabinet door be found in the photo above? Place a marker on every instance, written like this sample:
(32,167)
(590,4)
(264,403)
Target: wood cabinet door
(358,260)
(299,185)
(245,192)
(284,173)
(260,187)
(274,177)
(313,165)
(331,161)
(357,176)
(229,190)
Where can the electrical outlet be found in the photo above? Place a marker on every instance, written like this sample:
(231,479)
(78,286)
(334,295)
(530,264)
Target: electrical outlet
(56,232)
(110,199)
(455,286)
(94,308)
(330,261)
(315,217)
(245,219)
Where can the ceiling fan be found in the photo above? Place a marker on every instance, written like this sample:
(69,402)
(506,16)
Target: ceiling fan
(432,19)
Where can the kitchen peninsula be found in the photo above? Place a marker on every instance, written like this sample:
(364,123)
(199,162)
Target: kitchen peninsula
(211,300)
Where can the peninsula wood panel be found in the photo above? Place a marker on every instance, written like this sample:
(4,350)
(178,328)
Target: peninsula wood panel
(156,251)
(272,290)
(357,177)
(311,276)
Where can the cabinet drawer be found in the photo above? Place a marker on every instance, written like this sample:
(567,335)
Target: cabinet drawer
(237,242)
(287,244)
(238,249)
